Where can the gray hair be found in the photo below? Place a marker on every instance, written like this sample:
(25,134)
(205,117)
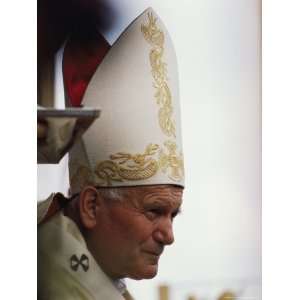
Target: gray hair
(108,193)
(112,193)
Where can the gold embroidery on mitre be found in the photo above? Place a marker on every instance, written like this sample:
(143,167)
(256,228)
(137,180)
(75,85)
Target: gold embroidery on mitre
(155,37)
(125,166)
(171,162)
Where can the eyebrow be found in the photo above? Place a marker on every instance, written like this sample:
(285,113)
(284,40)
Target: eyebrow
(160,202)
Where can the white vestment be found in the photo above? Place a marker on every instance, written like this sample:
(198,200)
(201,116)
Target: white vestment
(66,268)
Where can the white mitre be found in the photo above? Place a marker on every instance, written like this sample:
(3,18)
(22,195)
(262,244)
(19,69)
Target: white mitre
(137,139)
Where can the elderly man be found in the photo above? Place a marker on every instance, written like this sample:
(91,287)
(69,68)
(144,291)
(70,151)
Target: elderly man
(126,175)
(137,219)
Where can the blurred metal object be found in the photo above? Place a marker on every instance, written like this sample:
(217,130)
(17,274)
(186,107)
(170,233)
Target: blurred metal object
(228,295)
(191,297)
(163,292)
(59,129)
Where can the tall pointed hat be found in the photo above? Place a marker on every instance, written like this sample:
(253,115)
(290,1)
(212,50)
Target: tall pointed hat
(137,139)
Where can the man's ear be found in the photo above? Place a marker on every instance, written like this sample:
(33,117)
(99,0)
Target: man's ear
(89,202)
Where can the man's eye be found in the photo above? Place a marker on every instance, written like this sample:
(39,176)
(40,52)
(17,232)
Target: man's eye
(153,213)
(175,213)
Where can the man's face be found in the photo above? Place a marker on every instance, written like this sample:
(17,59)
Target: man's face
(131,234)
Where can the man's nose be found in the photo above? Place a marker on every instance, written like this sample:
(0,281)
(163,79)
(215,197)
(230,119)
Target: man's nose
(164,232)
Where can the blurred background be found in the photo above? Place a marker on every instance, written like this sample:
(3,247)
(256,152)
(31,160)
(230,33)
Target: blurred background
(217,250)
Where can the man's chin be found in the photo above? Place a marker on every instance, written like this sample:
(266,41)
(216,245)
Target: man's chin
(149,272)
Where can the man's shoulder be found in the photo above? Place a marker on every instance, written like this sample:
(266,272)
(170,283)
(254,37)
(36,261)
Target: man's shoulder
(50,206)
(56,284)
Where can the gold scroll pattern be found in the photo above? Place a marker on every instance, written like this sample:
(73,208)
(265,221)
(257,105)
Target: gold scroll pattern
(124,166)
(155,37)
(171,162)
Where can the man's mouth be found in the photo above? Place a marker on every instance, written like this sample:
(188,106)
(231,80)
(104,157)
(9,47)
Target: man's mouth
(152,257)
(155,252)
